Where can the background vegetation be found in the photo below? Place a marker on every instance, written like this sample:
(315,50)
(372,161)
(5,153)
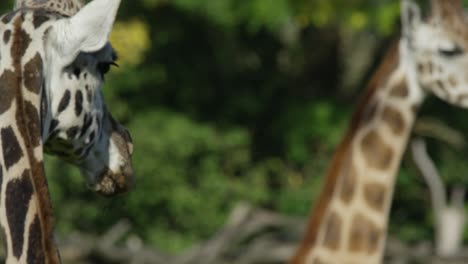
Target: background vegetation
(232,101)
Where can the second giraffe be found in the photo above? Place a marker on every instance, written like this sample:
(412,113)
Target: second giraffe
(349,221)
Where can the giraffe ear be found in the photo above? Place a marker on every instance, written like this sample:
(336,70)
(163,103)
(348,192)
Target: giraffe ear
(410,17)
(86,31)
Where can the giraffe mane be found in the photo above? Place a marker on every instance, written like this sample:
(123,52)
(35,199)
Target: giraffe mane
(360,116)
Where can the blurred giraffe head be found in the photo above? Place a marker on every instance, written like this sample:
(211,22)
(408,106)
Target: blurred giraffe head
(436,49)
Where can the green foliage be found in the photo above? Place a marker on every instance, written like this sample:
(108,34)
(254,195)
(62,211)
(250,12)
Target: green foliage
(307,124)
(189,177)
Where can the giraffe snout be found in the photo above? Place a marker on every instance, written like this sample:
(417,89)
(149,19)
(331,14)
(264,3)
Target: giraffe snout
(113,183)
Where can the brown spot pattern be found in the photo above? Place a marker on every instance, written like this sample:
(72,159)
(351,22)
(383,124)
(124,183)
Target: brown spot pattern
(400,90)
(394,120)
(452,80)
(8,17)
(375,194)
(33,123)
(6,36)
(7,90)
(440,84)
(1,180)
(21,40)
(63,104)
(317,260)
(78,103)
(316,221)
(33,74)
(332,238)
(20,44)
(348,186)
(421,68)
(365,235)
(2,230)
(72,132)
(44,106)
(11,148)
(377,153)
(35,256)
(3,237)
(17,197)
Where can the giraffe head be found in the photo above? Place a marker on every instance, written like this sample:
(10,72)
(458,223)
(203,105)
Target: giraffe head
(436,50)
(75,55)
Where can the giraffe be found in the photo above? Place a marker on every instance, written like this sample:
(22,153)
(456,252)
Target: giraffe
(54,55)
(349,222)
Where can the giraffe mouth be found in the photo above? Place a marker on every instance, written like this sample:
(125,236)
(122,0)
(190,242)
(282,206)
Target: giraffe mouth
(111,184)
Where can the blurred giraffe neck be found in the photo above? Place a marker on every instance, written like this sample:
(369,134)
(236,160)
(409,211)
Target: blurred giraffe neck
(349,222)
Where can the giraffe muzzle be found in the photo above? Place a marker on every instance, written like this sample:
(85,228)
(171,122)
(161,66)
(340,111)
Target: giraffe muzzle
(111,183)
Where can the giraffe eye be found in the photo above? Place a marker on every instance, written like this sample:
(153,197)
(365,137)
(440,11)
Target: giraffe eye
(451,52)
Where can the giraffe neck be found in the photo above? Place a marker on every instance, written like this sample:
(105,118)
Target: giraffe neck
(25,212)
(349,222)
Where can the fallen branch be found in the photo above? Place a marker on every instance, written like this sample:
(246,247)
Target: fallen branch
(250,236)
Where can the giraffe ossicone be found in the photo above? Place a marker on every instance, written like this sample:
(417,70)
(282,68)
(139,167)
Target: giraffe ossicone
(63,7)
(53,58)
(349,221)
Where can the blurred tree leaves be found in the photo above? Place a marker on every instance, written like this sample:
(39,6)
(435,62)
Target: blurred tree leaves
(131,40)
